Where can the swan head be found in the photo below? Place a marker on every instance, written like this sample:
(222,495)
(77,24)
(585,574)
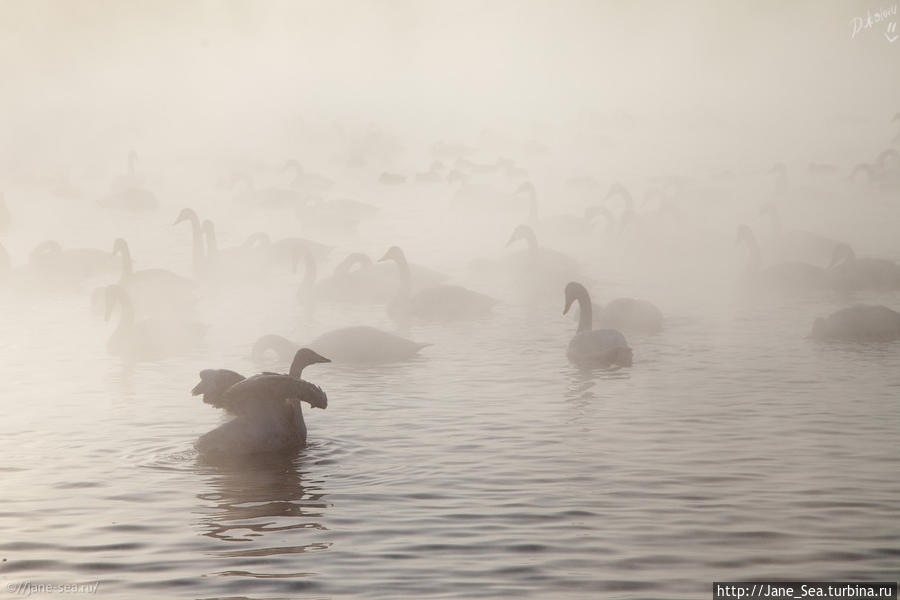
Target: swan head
(393,253)
(522,232)
(305,357)
(842,253)
(120,246)
(186,214)
(574,291)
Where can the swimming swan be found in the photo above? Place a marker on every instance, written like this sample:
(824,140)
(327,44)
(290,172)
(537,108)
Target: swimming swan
(199,257)
(353,345)
(593,347)
(147,339)
(215,382)
(783,276)
(437,303)
(270,416)
(859,323)
(847,272)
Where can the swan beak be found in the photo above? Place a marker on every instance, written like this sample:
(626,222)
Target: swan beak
(569,302)
(385,257)
(198,389)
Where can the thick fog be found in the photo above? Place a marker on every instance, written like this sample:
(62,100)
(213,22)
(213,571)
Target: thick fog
(574,280)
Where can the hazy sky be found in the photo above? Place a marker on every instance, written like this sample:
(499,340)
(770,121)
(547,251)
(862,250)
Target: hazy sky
(109,65)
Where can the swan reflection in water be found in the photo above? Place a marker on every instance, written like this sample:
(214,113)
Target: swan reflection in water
(249,497)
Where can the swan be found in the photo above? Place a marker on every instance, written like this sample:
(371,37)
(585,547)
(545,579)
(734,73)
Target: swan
(147,339)
(57,268)
(352,345)
(358,279)
(438,303)
(270,417)
(847,272)
(785,276)
(215,382)
(152,291)
(128,192)
(593,347)
(188,215)
(155,284)
(564,225)
(542,269)
(248,260)
(798,245)
(860,323)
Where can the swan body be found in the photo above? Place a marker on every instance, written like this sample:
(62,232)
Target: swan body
(148,339)
(352,345)
(859,323)
(631,315)
(56,268)
(847,272)
(438,303)
(784,276)
(269,415)
(215,382)
(154,291)
(593,347)
(128,192)
(798,245)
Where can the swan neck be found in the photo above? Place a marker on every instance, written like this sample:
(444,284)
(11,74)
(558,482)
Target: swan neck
(585,311)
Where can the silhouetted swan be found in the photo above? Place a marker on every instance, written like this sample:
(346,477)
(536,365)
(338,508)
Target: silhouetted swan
(847,272)
(541,269)
(250,259)
(162,283)
(214,382)
(56,268)
(270,416)
(859,323)
(563,225)
(128,192)
(785,276)
(147,339)
(198,252)
(359,280)
(353,345)
(797,245)
(593,347)
(438,303)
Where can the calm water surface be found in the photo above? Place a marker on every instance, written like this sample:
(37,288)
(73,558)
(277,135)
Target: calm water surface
(490,467)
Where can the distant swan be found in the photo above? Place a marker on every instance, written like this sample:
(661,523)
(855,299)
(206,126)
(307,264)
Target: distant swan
(270,416)
(783,276)
(147,339)
(128,192)
(438,303)
(594,347)
(199,256)
(848,273)
(798,245)
(859,323)
(353,345)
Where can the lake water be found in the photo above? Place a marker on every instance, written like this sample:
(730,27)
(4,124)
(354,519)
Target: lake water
(733,449)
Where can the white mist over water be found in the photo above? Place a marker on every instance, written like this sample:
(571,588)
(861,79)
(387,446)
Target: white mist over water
(488,466)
